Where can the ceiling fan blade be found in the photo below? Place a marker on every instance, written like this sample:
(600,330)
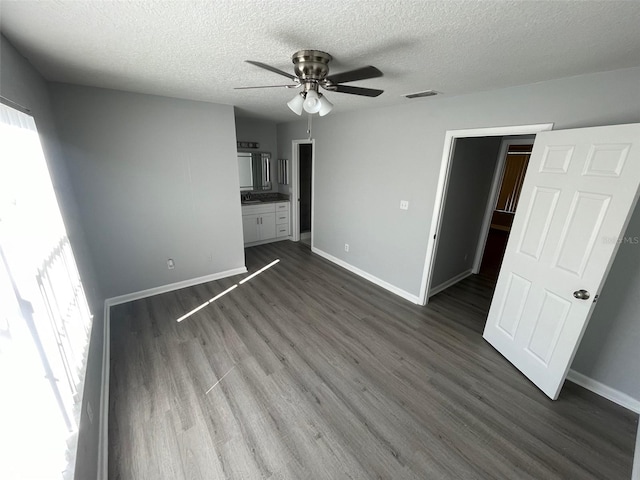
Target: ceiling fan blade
(357,74)
(296,85)
(366,92)
(273,69)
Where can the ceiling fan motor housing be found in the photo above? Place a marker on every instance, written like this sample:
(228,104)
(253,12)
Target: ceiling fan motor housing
(311,65)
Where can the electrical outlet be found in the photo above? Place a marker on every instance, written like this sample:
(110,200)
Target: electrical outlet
(346,247)
(171,264)
(404,204)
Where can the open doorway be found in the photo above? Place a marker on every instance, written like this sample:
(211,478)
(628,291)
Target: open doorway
(483,190)
(511,168)
(553,273)
(302,191)
(463,241)
(304,179)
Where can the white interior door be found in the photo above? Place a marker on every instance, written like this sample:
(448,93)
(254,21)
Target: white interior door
(580,189)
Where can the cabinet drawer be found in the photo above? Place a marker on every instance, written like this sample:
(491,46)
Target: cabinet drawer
(281,207)
(282,230)
(257,209)
(282,217)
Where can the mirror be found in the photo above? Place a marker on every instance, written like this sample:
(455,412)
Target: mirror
(254,170)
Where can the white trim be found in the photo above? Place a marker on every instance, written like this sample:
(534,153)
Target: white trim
(103,425)
(381,283)
(103,428)
(635,473)
(443,180)
(295,186)
(447,283)
(129,297)
(605,391)
(617,397)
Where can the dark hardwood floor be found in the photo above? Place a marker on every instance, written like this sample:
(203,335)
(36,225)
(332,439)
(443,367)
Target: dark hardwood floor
(309,372)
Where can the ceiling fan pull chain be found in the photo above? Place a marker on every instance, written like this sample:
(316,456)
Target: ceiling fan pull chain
(309,116)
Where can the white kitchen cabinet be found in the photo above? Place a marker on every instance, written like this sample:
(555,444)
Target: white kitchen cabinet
(265,222)
(251,228)
(282,219)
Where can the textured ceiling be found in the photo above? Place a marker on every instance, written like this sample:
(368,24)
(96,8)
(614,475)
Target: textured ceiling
(195,49)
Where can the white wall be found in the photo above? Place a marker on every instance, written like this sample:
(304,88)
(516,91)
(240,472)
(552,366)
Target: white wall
(367,161)
(21,83)
(470,179)
(265,133)
(156,178)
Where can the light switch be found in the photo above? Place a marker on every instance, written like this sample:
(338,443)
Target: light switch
(404,204)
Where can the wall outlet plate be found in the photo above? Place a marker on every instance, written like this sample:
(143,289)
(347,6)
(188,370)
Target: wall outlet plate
(404,204)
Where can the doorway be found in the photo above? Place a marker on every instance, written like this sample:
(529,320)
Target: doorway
(511,168)
(304,179)
(302,191)
(464,250)
(485,171)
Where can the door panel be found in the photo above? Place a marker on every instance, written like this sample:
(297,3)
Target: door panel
(538,221)
(267,226)
(578,195)
(250,228)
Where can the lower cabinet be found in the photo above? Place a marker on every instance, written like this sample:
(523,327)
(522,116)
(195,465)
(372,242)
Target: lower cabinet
(264,222)
(258,227)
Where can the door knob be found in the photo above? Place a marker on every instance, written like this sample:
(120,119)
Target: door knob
(581,294)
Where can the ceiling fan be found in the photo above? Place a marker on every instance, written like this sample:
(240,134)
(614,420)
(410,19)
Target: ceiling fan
(311,71)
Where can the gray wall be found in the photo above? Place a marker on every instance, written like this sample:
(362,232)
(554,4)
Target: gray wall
(265,133)
(156,178)
(610,349)
(20,82)
(367,161)
(470,179)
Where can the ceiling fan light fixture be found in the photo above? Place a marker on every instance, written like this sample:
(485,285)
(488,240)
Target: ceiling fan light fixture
(325,106)
(295,104)
(311,72)
(312,102)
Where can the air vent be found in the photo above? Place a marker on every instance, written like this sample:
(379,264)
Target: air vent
(426,93)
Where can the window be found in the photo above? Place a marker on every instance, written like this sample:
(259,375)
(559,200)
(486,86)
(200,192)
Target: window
(44,317)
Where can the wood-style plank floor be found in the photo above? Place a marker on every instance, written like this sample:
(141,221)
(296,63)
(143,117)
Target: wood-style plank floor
(309,372)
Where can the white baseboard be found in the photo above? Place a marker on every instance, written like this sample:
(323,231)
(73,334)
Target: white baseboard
(448,283)
(381,283)
(103,425)
(130,297)
(103,440)
(603,390)
(615,396)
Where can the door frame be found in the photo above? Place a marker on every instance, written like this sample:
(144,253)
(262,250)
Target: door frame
(498,175)
(443,182)
(295,187)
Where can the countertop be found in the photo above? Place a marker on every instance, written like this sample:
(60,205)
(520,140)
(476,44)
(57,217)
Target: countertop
(259,198)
